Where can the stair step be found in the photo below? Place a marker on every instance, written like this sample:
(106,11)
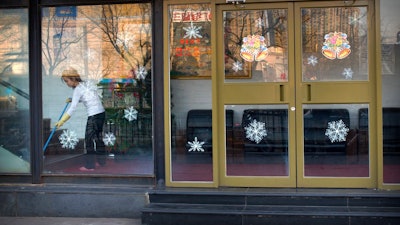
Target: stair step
(371,199)
(271,210)
(243,207)
(196,214)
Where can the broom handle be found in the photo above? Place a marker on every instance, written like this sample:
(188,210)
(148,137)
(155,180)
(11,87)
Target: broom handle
(55,128)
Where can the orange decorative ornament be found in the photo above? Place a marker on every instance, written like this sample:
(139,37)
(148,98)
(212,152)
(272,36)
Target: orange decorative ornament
(253,48)
(336,45)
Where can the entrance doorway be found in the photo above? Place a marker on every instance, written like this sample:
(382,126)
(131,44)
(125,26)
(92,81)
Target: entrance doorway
(293,88)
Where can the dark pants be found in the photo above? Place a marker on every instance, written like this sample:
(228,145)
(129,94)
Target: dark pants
(95,147)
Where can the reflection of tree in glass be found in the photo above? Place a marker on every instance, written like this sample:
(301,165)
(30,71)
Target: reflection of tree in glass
(126,31)
(13,47)
(270,24)
(127,28)
(126,52)
(59,34)
(14,94)
(131,41)
(13,53)
(317,23)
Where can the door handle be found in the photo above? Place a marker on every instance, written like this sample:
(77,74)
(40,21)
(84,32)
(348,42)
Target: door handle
(308,92)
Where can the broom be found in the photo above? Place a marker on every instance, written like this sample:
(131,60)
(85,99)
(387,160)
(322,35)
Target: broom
(55,128)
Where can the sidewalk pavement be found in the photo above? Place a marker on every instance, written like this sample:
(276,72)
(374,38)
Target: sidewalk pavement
(67,221)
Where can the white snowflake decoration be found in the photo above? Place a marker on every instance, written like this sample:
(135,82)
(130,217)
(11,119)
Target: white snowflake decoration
(255,131)
(68,139)
(196,145)
(125,39)
(109,139)
(337,131)
(89,88)
(347,73)
(192,31)
(141,73)
(130,113)
(353,19)
(237,66)
(312,60)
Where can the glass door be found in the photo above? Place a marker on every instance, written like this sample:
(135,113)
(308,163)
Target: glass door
(256,95)
(334,97)
(293,88)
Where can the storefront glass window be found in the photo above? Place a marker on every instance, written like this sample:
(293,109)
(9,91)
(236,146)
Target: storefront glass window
(14,92)
(256,45)
(190,87)
(257,140)
(390,56)
(335,44)
(97,96)
(336,140)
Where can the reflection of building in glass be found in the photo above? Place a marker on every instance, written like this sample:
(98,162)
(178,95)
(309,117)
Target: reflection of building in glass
(102,41)
(14,92)
(109,45)
(332,35)
(241,28)
(319,22)
(13,45)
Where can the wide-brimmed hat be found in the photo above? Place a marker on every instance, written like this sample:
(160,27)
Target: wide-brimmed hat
(70,72)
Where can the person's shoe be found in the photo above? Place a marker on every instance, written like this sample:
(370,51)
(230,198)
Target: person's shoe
(84,169)
(100,164)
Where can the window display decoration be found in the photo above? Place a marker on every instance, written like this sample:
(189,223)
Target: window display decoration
(312,60)
(141,73)
(90,88)
(354,19)
(237,66)
(190,43)
(347,73)
(337,131)
(68,139)
(192,32)
(130,113)
(109,139)
(254,48)
(256,131)
(196,145)
(336,45)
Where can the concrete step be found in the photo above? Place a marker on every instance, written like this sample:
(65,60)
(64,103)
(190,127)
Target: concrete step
(66,221)
(272,207)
